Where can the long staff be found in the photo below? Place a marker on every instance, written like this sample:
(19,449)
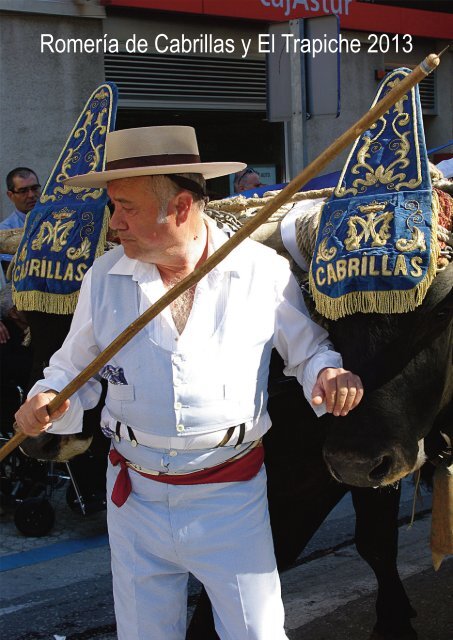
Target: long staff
(311,171)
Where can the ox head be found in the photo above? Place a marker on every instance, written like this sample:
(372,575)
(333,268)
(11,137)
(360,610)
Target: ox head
(405,362)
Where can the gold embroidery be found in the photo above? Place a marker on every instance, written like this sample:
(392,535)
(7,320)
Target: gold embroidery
(83,133)
(392,176)
(63,214)
(56,235)
(383,165)
(417,239)
(369,227)
(368,266)
(88,228)
(49,269)
(82,252)
(324,253)
(23,253)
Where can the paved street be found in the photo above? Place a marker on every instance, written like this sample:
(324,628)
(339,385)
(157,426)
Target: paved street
(59,586)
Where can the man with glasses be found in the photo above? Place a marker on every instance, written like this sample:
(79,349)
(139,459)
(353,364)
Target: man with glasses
(23,191)
(247,179)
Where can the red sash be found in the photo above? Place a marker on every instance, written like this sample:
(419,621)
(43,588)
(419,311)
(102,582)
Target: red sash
(243,468)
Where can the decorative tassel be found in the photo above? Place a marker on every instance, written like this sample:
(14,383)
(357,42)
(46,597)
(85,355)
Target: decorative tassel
(442,515)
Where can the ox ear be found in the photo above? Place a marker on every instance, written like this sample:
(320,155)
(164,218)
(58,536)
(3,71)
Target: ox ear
(440,293)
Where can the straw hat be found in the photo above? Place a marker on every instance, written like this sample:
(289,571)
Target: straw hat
(148,151)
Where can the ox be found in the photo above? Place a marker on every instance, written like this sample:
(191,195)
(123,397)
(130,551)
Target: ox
(405,361)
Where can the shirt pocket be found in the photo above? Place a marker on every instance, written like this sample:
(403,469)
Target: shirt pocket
(121,392)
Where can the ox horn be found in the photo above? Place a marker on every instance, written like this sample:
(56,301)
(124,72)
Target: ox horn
(311,171)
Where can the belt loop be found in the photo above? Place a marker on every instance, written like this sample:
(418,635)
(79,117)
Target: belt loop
(241,435)
(118,431)
(132,437)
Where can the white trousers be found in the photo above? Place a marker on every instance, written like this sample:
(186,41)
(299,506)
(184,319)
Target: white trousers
(218,532)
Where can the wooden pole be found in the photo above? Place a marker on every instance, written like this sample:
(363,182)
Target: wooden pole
(311,171)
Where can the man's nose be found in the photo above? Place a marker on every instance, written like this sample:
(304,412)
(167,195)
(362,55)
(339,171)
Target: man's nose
(117,220)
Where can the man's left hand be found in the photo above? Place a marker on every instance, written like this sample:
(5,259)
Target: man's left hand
(341,390)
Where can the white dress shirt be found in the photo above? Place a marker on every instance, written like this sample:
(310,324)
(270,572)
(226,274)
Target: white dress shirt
(303,344)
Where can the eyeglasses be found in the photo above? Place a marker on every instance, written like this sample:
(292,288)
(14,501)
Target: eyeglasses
(249,171)
(24,190)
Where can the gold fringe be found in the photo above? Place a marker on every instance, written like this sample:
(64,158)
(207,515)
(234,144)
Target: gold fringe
(394,301)
(60,303)
(103,235)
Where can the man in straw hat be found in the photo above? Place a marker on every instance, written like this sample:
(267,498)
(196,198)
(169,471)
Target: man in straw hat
(186,402)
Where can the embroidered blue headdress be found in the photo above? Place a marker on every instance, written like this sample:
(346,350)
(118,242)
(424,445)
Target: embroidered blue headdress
(67,228)
(376,247)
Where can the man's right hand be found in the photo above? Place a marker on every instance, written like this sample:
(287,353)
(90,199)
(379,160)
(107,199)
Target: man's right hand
(33,418)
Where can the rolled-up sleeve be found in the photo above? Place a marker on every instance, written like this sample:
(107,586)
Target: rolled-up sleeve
(304,345)
(76,353)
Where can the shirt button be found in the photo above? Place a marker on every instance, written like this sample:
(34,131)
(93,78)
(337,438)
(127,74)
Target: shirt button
(180,427)
(178,405)
(173,453)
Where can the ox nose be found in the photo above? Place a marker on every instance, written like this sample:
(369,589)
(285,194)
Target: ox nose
(359,472)
(381,469)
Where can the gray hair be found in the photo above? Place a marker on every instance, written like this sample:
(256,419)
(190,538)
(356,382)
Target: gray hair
(165,189)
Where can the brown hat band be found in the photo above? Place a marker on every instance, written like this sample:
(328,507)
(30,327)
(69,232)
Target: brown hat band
(152,161)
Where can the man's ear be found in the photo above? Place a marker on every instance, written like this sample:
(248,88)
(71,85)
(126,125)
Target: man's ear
(182,203)
(10,195)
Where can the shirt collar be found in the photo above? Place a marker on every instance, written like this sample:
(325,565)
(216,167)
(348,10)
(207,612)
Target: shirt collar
(124,266)
(19,214)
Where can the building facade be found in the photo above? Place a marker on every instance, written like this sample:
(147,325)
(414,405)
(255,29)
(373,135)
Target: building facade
(203,63)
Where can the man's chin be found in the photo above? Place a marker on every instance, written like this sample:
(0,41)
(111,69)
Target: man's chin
(130,249)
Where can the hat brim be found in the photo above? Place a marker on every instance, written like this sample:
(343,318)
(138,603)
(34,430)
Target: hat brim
(207,169)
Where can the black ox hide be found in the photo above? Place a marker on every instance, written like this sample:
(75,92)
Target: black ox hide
(405,362)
